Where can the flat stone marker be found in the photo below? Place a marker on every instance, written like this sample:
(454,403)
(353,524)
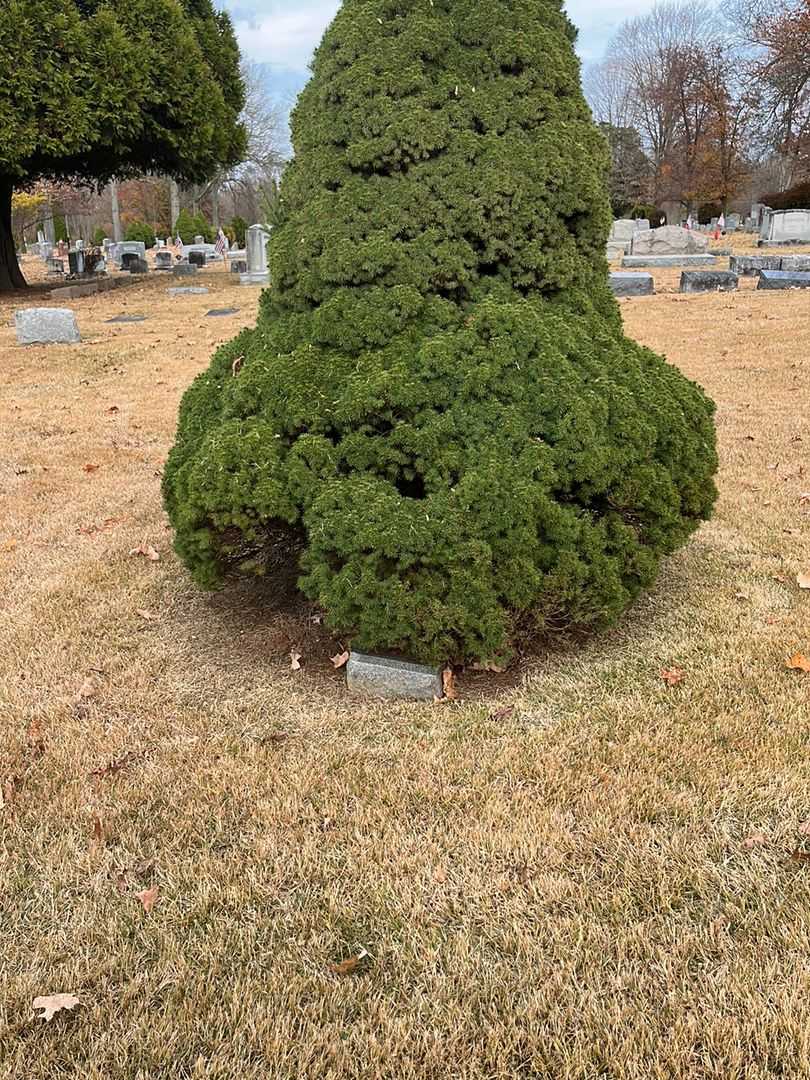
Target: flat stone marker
(127,318)
(751,265)
(221,311)
(652,261)
(698,281)
(46,326)
(795,262)
(183,269)
(379,676)
(783,279)
(188,290)
(632,284)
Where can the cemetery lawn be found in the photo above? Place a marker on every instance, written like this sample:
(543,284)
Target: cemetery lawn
(576,871)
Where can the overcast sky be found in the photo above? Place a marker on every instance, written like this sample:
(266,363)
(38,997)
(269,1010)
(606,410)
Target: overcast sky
(283,33)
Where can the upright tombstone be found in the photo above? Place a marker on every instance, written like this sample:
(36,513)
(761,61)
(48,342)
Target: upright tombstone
(785,227)
(76,262)
(199,239)
(669,240)
(257,273)
(197,258)
(163,260)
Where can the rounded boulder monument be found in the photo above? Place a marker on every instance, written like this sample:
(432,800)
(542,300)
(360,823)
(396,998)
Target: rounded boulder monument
(438,415)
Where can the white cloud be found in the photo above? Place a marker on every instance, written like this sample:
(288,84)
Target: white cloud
(285,38)
(285,34)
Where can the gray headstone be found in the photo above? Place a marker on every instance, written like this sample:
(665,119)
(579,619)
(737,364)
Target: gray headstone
(128,258)
(138,266)
(794,262)
(55,266)
(196,258)
(188,290)
(256,246)
(633,284)
(183,269)
(667,260)
(222,311)
(750,265)
(695,281)
(199,239)
(239,266)
(163,260)
(783,279)
(378,676)
(46,326)
(76,262)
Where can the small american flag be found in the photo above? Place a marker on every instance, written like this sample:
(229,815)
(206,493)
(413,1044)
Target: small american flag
(179,243)
(221,246)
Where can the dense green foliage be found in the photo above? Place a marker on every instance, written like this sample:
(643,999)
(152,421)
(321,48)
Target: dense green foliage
(438,408)
(104,88)
(140,230)
(190,225)
(237,230)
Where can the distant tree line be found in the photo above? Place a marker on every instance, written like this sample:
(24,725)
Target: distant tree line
(705,107)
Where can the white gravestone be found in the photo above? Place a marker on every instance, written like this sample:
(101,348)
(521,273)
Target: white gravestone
(257,237)
(46,326)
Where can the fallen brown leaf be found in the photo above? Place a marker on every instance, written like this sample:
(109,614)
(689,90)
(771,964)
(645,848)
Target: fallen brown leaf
(54,1003)
(236,366)
(754,840)
(502,714)
(88,690)
(295,660)
(147,551)
(673,676)
(146,615)
(804,828)
(148,897)
(348,967)
(340,660)
(799,662)
(9,545)
(90,468)
(113,409)
(800,855)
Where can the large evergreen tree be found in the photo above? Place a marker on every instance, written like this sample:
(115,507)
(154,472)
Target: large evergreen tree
(438,411)
(95,89)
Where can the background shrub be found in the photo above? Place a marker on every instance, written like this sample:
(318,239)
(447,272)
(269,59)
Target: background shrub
(139,230)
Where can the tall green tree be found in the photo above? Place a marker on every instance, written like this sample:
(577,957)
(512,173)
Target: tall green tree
(438,412)
(97,89)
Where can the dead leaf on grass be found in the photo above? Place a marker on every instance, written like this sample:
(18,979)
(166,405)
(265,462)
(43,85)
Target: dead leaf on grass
(54,1003)
(90,468)
(236,366)
(340,660)
(348,967)
(799,662)
(672,676)
(113,409)
(800,855)
(753,841)
(295,660)
(502,714)
(147,616)
(88,690)
(449,684)
(9,545)
(804,828)
(147,551)
(148,898)
(440,875)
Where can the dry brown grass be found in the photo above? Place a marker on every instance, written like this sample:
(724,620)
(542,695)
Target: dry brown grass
(563,893)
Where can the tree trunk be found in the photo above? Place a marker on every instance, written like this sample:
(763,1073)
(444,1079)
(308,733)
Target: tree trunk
(174,204)
(116,213)
(10,273)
